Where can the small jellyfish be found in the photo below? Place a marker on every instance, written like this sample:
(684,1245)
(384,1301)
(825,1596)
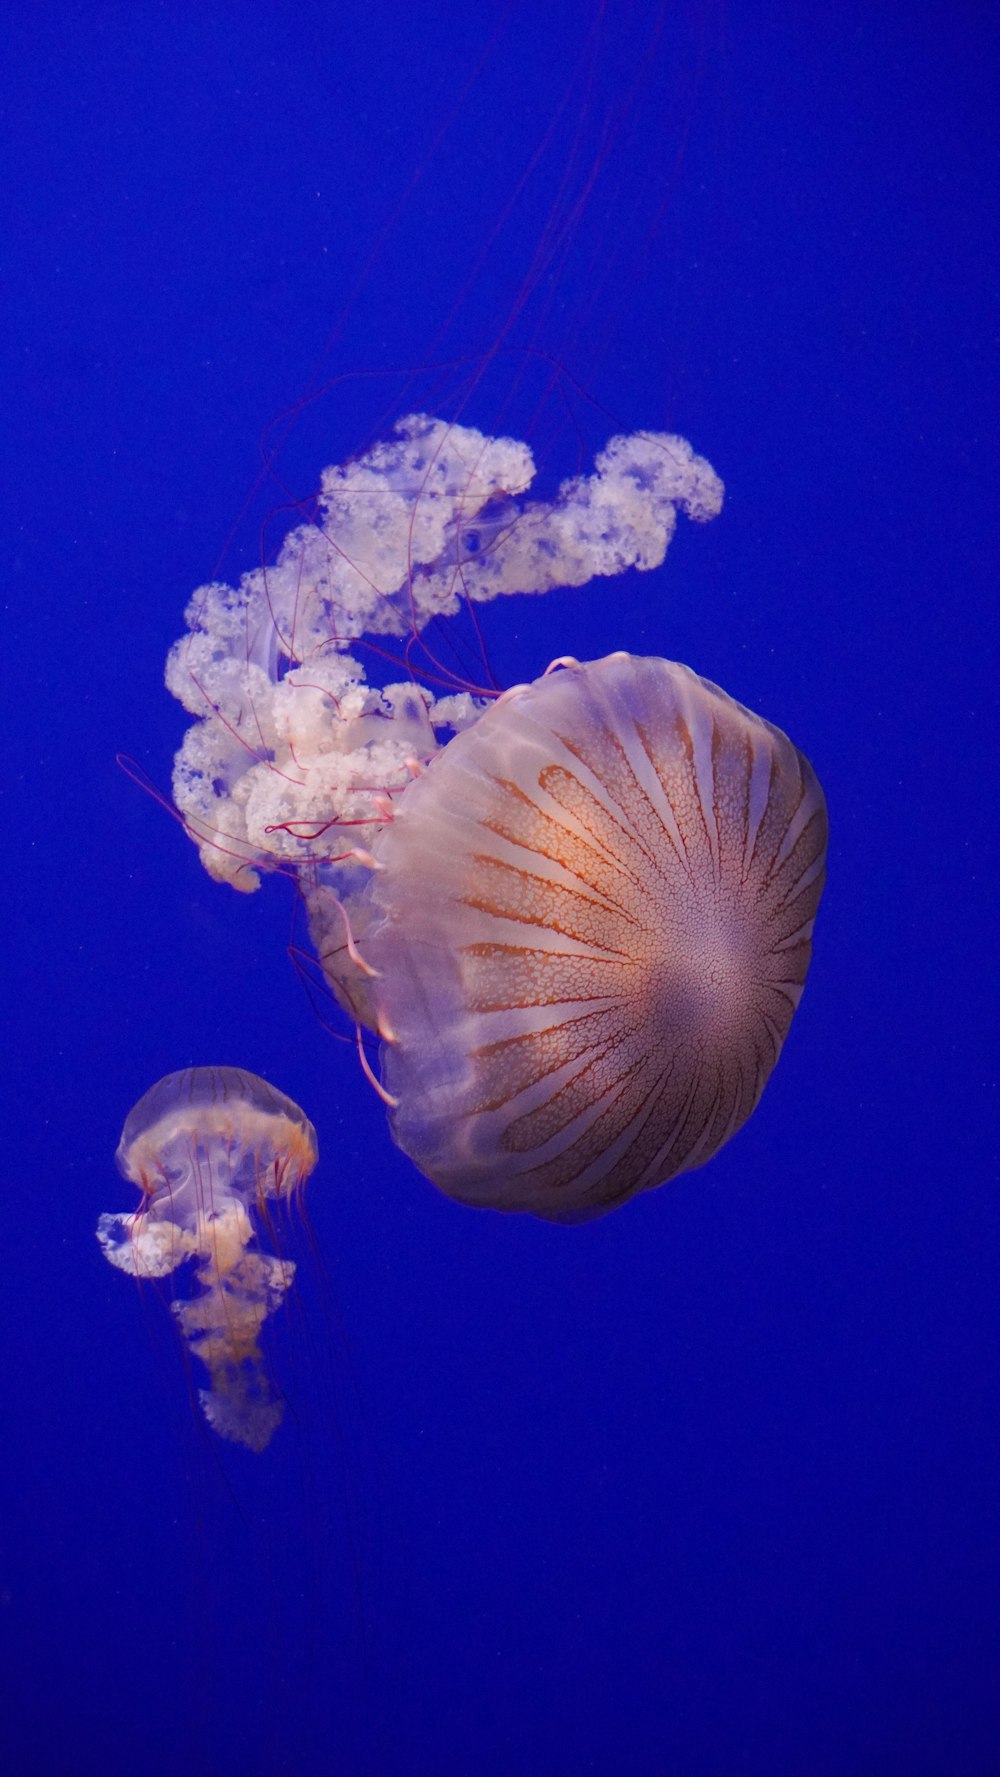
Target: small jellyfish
(587,931)
(210,1148)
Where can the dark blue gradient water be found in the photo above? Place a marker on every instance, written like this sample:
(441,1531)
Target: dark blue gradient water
(708,1487)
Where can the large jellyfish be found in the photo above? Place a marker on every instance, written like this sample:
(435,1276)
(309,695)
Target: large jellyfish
(579,918)
(590,927)
(211,1148)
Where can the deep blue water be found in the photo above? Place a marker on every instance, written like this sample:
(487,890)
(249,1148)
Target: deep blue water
(708,1487)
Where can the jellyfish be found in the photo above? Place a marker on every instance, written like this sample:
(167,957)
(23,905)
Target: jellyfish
(589,927)
(211,1148)
(577,915)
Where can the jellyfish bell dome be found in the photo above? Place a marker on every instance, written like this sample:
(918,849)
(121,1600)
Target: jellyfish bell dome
(589,927)
(258,1126)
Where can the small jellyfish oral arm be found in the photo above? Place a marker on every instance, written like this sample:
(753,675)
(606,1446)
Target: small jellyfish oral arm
(208,1147)
(221,1324)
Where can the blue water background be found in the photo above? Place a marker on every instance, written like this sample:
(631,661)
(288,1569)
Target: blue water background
(709,1487)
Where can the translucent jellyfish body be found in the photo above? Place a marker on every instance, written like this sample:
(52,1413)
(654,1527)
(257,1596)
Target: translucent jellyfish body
(588,929)
(212,1149)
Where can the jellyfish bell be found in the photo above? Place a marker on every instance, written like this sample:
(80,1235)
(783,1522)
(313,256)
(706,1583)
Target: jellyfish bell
(213,1149)
(589,927)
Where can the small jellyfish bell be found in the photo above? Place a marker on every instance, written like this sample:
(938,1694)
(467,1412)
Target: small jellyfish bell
(211,1149)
